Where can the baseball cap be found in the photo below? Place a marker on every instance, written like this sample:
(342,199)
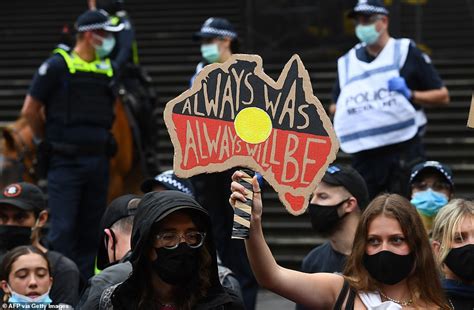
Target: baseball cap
(23,195)
(170,181)
(215,27)
(351,180)
(369,7)
(443,170)
(96,20)
(118,209)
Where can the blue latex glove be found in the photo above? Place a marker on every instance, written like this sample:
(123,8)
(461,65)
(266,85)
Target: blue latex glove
(399,85)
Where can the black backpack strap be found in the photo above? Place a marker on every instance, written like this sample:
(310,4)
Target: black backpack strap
(342,296)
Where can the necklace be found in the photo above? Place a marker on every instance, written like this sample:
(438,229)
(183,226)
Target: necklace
(402,303)
(451,303)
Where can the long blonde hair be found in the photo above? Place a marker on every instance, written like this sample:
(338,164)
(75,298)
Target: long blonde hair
(447,223)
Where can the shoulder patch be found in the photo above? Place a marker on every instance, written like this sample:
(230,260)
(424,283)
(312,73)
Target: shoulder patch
(426,58)
(43,69)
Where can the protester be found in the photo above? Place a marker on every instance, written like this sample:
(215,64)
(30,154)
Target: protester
(335,209)
(382,84)
(116,230)
(22,216)
(26,279)
(114,249)
(389,266)
(453,245)
(431,187)
(74,141)
(173,259)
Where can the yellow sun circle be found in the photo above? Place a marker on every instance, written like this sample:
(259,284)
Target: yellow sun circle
(253,125)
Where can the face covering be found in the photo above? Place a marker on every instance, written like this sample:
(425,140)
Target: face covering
(324,218)
(210,52)
(429,202)
(13,236)
(18,298)
(176,266)
(388,267)
(108,44)
(461,262)
(367,33)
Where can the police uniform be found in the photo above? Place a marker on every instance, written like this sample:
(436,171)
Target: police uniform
(79,105)
(378,127)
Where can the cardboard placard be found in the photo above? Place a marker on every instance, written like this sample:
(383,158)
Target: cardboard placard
(470,120)
(236,115)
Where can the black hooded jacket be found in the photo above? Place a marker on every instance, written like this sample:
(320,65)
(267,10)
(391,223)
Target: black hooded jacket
(154,207)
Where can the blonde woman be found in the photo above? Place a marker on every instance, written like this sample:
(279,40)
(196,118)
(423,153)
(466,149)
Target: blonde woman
(453,245)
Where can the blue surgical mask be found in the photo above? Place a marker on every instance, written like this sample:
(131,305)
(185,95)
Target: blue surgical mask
(20,300)
(429,202)
(108,44)
(210,52)
(367,33)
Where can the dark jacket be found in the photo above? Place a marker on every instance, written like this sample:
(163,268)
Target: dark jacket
(97,284)
(153,208)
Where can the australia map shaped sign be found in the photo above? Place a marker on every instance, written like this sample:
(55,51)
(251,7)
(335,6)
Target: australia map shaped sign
(235,115)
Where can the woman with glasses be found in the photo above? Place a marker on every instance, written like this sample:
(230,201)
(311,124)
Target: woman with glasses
(173,259)
(453,245)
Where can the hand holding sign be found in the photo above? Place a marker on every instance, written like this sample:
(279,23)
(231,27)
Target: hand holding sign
(236,115)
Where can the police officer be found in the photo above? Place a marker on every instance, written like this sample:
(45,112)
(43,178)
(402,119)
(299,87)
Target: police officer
(219,41)
(382,85)
(125,51)
(73,91)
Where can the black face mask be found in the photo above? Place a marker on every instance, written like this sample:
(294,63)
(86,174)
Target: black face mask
(324,218)
(13,236)
(176,266)
(388,267)
(461,262)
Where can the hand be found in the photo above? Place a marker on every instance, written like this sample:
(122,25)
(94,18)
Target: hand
(399,85)
(238,193)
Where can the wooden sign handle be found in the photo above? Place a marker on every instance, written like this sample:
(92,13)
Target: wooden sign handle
(243,211)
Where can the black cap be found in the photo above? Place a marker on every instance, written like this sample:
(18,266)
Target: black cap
(169,180)
(118,209)
(369,7)
(432,165)
(96,20)
(351,180)
(216,27)
(23,195)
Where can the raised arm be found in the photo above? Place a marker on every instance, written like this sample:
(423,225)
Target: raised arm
(317,290)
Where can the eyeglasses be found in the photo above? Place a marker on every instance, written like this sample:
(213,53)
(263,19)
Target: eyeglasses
(171,240)
(436,186)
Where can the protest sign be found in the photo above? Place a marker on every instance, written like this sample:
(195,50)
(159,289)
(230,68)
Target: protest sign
(235,115)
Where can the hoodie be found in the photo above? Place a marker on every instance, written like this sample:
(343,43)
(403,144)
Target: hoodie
(154,207)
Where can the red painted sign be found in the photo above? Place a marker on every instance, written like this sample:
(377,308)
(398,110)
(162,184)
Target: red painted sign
(235,115)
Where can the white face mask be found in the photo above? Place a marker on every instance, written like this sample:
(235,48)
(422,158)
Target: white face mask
(108,44)
(19,298)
